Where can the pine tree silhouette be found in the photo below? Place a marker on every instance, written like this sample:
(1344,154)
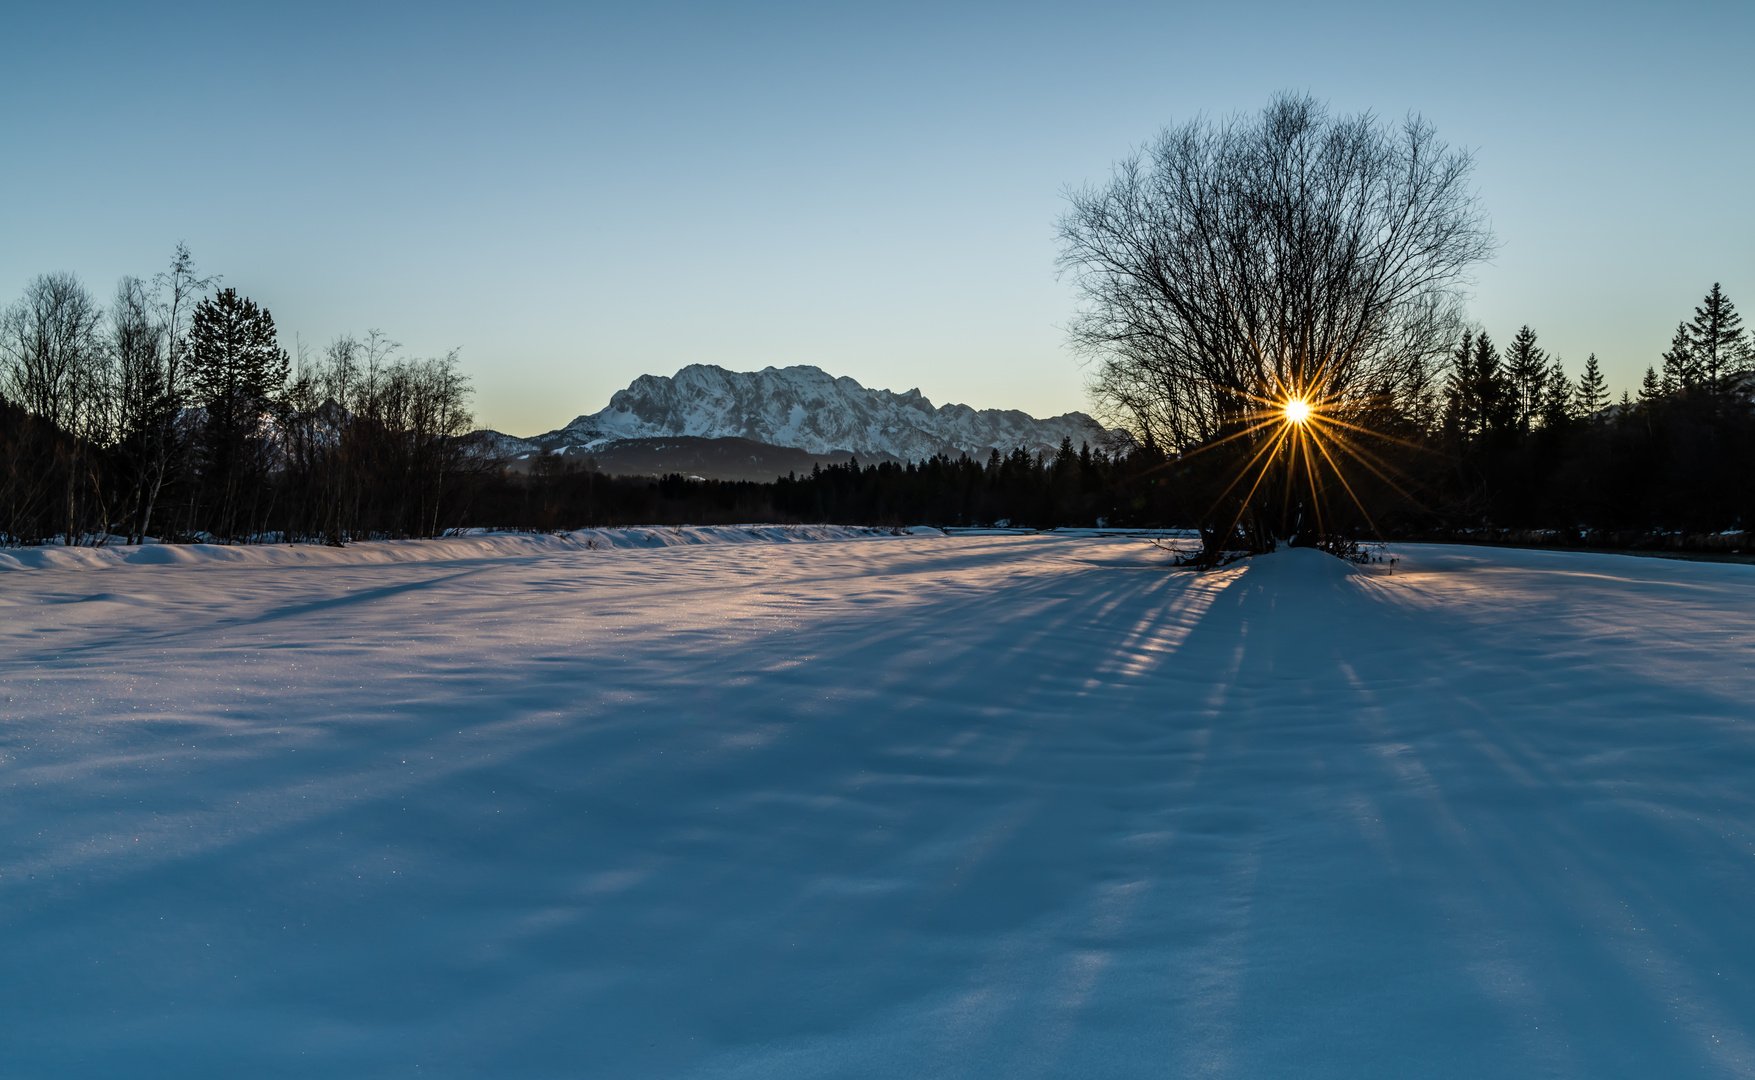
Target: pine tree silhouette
(1496,398)
(1557,403)
(1650,388)
(1526,373)
(1716,340)
(1592,396)
(1681,371)
(1462,412)
(236,368)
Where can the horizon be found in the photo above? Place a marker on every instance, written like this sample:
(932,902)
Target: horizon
(574,199)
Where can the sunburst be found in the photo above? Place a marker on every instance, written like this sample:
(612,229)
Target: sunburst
(1301,432)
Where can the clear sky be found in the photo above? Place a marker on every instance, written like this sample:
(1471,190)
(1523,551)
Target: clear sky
(576,195)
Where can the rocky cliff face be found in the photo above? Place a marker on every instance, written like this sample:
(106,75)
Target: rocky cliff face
(809,409)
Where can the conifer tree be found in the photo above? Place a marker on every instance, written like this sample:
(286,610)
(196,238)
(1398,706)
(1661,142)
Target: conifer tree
(1650,389)
(1526,377)
(1461,407)
(1716,340)
(1557,397)
(1493,394)
(237,368)
(1592,396)
(1681,369)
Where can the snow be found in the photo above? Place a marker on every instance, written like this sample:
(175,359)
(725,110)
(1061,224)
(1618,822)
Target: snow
(966,806)
(471,544)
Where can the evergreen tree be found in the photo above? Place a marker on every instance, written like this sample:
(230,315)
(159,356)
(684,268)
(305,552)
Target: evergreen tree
(237,369)
(1494,395)
(1592,396)
(1681,370)
(1462,410)
(1716,340)
(1650,389)
(1557,398)
(1526,378)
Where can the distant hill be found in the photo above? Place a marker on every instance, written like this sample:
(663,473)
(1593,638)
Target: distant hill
(724,424)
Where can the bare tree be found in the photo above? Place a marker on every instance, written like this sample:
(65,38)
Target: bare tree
(371,441)
(54,366)
(136,344)
(178,290)
(1253,283)
(441,417)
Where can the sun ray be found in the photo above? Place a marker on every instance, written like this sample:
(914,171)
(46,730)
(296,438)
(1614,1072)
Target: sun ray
(1286,502)
(1306,410)
(1342,477)
(1257,426)
(1266,450)
(1270,402)
(1358,449)
(1310,476)
(1365,458)
(1203,448)
(1259,477)
(1377,434)
(1243,506)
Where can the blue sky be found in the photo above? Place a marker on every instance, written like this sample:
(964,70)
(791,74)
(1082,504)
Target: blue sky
(575,195)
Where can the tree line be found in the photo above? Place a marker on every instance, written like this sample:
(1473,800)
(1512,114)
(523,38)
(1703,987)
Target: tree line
(1517,444)
(1497,439)
(175,412)
(1074,487)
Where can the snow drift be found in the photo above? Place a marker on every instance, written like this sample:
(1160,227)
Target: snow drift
(474,544)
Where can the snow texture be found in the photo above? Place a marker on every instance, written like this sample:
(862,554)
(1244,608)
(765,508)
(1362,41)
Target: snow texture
(470,544)
(924,806)
(807,408)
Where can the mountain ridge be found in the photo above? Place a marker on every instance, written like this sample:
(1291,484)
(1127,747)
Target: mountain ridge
(805,408)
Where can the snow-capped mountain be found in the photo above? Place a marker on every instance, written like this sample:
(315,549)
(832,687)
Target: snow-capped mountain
(809,409)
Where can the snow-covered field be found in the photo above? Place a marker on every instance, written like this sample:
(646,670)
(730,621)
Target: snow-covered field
(976,806)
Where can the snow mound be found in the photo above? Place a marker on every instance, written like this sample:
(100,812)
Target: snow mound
(1299,564)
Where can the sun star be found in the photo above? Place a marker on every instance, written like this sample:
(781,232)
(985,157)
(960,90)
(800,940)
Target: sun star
(1297,411)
